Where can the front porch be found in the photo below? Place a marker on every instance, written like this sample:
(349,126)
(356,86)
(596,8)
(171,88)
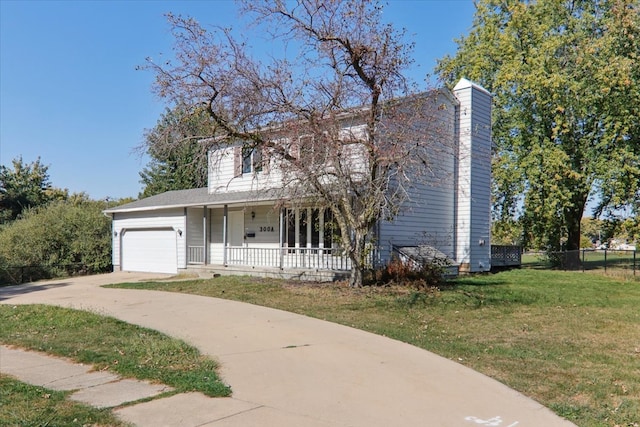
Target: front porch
(261,239)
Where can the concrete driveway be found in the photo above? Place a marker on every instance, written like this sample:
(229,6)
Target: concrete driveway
(291,370)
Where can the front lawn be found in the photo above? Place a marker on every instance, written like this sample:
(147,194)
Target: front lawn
(569,340)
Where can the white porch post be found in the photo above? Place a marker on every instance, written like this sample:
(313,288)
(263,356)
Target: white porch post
(321,228)
(297,215)
(281,238)
(205,234)
(225,233)
(321,236)
(186,236)
(309,227)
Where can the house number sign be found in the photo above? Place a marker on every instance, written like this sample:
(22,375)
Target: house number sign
(267,229)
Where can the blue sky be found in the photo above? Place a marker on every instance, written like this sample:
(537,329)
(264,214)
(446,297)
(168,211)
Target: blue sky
(70,93)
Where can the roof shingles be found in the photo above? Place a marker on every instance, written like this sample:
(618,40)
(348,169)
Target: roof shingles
(193,197)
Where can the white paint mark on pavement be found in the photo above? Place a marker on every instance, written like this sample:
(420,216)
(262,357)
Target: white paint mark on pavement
(495,421)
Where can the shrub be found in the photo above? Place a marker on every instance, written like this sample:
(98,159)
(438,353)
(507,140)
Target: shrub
(55,240)
(398,272)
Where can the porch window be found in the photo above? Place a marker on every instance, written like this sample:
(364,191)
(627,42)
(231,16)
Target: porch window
(329,229)
(312,224)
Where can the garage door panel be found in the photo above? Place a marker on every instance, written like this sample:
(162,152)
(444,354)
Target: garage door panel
(149,251)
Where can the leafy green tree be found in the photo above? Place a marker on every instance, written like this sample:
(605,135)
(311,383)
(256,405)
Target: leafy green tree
(591,229)
(178,157)
(506,232)
(57,235)
(626,230)
(22,187)
(566,85)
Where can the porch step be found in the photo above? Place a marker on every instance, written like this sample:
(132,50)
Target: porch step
(209,271)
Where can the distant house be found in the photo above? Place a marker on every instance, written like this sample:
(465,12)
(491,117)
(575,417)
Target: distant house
(239,224)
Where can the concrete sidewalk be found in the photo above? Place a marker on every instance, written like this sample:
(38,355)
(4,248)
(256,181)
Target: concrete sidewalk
(107,390)
(99,389)
(291,370)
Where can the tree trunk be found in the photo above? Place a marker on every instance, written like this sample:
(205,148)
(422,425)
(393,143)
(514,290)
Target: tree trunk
(356,277)
(358,262)
(573,216)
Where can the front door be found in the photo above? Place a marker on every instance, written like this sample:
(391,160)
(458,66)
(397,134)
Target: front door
(236,228)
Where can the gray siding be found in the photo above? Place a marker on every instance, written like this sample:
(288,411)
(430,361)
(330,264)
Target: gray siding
(427,219)
(428,216)
(195,227)
(216,229)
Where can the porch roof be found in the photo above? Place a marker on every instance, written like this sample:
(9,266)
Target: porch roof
(194,197)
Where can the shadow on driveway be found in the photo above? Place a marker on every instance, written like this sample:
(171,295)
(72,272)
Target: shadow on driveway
(8,292)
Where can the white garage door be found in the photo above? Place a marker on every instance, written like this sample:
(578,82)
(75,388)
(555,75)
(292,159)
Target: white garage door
(149,250)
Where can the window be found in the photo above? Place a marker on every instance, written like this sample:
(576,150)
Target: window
(257,160)
(248,160)
(309,226)
(316,149)
(306,149)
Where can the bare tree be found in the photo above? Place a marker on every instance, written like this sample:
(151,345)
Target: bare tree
(340,118)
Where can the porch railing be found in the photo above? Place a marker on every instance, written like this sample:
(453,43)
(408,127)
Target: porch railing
(306,258)
(195,254)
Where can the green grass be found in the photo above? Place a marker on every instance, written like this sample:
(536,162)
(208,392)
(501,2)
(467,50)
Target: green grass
(27,405)
(569,340)
(108,343)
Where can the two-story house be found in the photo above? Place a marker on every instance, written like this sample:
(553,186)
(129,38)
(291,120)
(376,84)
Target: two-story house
(242,224)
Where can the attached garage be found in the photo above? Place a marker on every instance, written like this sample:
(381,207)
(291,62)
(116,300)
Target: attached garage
(149,250)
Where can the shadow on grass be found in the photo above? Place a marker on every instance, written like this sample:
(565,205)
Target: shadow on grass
(486,279)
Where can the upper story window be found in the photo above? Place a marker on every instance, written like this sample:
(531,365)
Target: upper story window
(313,151)
(256,159)
(248,160)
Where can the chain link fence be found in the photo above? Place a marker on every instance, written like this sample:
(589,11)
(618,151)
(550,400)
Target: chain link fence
(626,262)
